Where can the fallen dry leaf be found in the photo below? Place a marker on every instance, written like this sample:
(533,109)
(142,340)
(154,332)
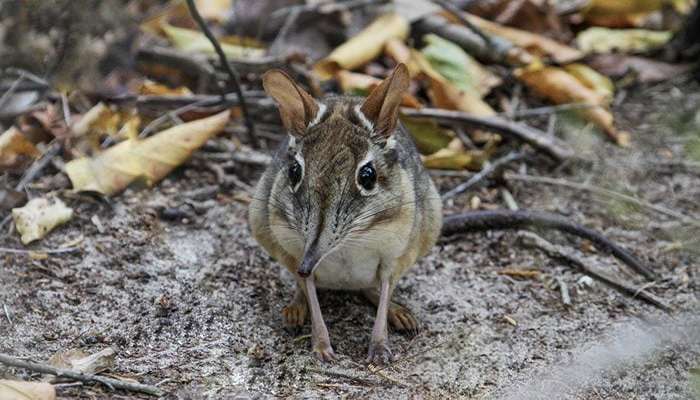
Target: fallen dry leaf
(21,390)
(622,7)
(594,80)
(604,40)
(401,53)
(39,216)
(363,47)
(533,43)
(79,361)
(190,40)
(449,158)
(152,158)
(15,149)
(520,273)
(646,69)
(102,120)
(560,87)
(354,83)
(150,87)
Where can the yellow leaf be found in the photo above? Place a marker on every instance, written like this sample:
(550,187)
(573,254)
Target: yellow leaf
(151,159)
(604,40)
(354,83)
(622,7)
(533,43)
(214,10)
(189,40)
(102,120)
(38,217)
(448,158)
(401,53)
(600,83)
(21,390)
(560,87)
(14,146)
(157,89)
(363,47)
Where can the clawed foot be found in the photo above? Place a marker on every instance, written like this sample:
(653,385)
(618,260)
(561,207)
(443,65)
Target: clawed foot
(294,314)
(402,319)
(379,353)
(324,352)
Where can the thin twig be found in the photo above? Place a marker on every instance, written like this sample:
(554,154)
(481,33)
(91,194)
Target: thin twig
(457,13)
(7,314)
(284,31)
(532,240)
(552,146)
(38,165)
(45,251)
(83,377)
(550,109)
(343,375)
(324,7)
(6,96)
(486,172)
(477,221)
(234,78)
(603,192)
(156,123)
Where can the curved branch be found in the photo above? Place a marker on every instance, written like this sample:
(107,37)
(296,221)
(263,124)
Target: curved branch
(478,221)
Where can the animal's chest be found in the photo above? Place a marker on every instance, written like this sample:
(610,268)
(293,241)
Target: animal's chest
(348,270)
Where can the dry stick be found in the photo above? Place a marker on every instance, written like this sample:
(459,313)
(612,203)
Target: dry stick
(45,251)
(603,192)
(531,240)
(496,50)
(477,221)
(486,172)
(343,375)
(78,376)
(457,13)
(234,78)
(553,147)
(33,171)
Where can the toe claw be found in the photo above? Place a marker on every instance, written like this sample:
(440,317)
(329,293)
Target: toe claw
(379,354)
(324,353)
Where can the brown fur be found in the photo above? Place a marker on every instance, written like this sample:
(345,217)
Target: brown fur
(359,238)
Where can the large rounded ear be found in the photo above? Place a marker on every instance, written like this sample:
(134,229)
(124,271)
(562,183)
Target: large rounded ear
(297,108)
(381,108)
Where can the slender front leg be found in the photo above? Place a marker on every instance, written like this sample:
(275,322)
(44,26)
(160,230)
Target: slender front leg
(379,352)
(320,340)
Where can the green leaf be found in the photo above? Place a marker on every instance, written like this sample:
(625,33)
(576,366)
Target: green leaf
(427,134)
(452,62)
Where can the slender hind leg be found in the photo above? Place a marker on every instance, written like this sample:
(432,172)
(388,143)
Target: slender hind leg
(400,317)
(295,312)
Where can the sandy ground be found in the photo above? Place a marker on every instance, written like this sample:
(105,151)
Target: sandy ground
(191,303)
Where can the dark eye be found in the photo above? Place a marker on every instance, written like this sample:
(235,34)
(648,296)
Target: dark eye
(294,173)
(367,176)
